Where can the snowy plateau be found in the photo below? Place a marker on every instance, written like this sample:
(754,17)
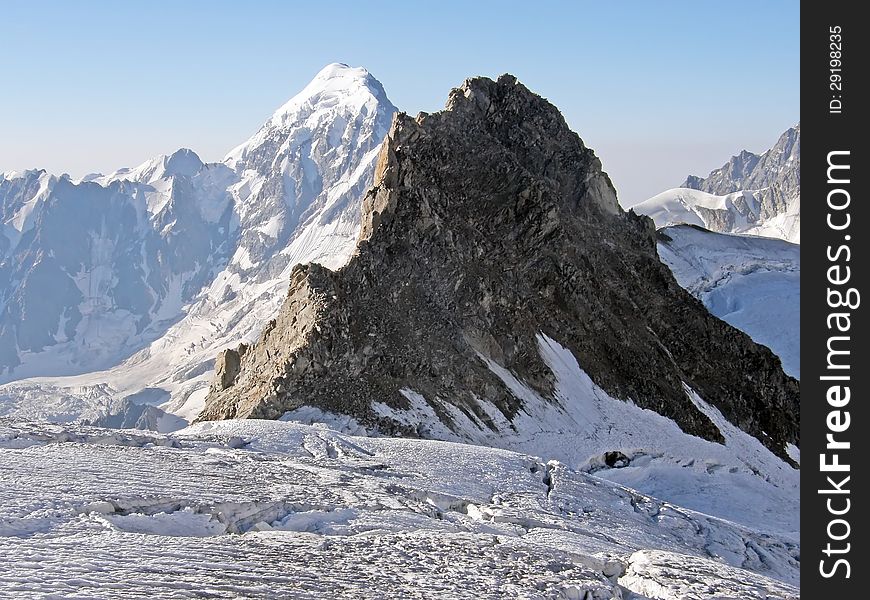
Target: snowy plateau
(107,491)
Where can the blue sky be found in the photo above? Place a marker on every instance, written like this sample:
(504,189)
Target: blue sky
(658,89)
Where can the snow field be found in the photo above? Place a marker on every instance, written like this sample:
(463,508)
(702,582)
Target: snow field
(281,509)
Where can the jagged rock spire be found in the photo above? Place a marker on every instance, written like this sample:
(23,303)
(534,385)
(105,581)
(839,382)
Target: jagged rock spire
(490,223)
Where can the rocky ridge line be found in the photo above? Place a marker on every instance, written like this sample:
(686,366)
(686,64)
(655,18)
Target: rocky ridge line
(489,223)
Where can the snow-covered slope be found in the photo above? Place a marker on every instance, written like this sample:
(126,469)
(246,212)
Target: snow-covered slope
(587,429)
(751,194)
(234,509)
(732,213)
(752,283)
(153,270)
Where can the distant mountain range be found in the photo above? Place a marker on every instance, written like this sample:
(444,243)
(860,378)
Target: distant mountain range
(751,194)
(500,296)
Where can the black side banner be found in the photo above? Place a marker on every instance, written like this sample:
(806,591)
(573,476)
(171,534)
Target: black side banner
(835,371)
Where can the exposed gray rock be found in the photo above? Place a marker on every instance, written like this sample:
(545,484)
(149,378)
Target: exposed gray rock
(130,415)
(750,282)
(489,223)
(228,365)
(779,167)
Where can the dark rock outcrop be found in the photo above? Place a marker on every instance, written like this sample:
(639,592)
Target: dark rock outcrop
(489,223)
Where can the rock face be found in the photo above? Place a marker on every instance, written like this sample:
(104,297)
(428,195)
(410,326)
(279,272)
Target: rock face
(774,180)
(775,174)
(228,365)
(490,223)
(750,194)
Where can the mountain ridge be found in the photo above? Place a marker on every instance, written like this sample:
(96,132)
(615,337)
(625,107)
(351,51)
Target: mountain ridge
(751,194)
(435,245)
(289,200)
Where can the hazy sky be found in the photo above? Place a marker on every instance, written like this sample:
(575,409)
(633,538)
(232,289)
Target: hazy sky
(659,89)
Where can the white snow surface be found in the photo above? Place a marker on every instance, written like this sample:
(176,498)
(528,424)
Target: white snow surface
(753,283)
(158,169)
(678,206)
(264,509)
(741,481)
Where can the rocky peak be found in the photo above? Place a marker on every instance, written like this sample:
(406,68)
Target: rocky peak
(778,167)
(490,224)
(536,134)
(531,133)
(182,162)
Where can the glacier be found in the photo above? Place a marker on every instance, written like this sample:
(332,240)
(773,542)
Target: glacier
(581,496)
(750,282)
(258,508)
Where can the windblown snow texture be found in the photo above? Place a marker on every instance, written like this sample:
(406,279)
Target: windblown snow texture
(257,509)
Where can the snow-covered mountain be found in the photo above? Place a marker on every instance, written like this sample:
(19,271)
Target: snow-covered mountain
(751,194)
(483,243)
(750,282)
(500,297)
(91,270)
(149,272)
